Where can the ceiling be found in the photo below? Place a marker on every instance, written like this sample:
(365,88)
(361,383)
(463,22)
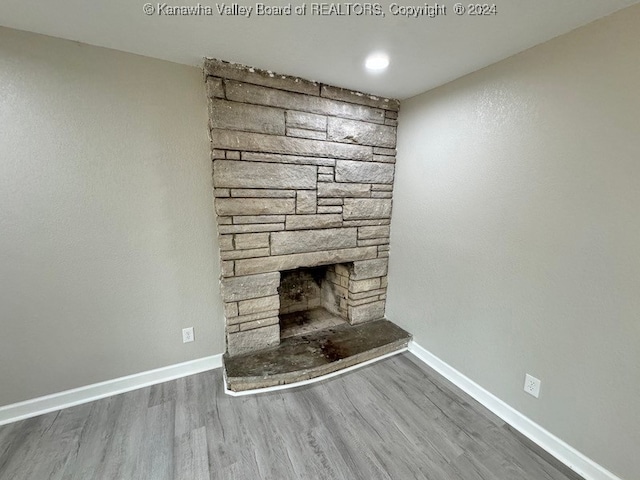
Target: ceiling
(425,52)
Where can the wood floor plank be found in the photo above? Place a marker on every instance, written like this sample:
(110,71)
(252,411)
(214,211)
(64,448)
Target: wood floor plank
(126,437)
(155,456)
(477,435)
(392,420)
(265,438)
(16,462)
(94,438)
(56,456)
(58,446)
(190,399)
(465,468)
(191,456)
(7,437)
(163,393)
(356,453)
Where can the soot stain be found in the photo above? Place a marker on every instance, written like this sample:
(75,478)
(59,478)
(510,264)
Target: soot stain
(333,352)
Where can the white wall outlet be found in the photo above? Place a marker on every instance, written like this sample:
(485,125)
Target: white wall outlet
(532,385)
(187,335)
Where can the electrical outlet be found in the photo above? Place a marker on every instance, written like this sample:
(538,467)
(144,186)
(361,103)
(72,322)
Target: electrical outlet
(532,385)
(187,335)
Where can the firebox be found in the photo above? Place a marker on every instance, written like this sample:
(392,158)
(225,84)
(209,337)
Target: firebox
(313,299)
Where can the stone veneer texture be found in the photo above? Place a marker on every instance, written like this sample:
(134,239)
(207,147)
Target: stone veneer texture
(303,176)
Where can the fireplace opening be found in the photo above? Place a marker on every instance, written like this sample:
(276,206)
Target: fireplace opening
(313,299)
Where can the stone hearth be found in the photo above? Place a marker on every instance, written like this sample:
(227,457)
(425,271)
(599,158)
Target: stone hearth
(303,357)
(303,179)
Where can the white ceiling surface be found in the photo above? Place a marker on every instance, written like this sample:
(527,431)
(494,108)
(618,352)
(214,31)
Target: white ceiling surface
(425,52)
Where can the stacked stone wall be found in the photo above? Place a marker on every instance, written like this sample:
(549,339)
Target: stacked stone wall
(303,176)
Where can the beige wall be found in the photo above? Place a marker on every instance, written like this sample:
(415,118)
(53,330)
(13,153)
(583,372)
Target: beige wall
(107,239)
(515,240)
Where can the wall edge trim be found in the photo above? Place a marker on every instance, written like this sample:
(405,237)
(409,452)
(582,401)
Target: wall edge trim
(57,401)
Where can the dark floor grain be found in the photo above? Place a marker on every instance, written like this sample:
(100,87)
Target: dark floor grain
(393,420)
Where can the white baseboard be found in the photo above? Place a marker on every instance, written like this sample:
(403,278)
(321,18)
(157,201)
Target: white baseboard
(69,398)
(564,452)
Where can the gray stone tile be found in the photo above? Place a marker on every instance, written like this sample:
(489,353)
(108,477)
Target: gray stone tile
(249,118)
(362,172)
(243,174)
(301,241)
(362,133)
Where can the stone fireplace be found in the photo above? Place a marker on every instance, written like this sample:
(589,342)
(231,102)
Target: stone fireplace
(303,180)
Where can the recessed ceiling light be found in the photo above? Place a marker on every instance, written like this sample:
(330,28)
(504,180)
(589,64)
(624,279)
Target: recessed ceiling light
(377,62)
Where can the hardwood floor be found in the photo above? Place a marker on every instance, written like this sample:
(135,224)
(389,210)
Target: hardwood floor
(390,420)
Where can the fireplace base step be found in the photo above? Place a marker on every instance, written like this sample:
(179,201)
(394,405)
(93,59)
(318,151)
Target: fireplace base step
(304,357)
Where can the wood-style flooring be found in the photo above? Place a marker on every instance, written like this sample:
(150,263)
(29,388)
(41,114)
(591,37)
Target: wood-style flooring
(394,419)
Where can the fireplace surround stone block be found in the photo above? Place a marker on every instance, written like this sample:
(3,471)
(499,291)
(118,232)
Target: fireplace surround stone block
(256,305)
(289,262)
(256,142)
(296,159)
(364,208)
(254,206)
(300,241)
(256,339)
(258,95)
(215,88)
(344,190)
(362,133)
(367,312)
(251,317)
(244,174)
(382,231)
(253,118)
(250,286)
(306,121)
(370,268)
(252,240)
(308,222)
(358,172)
(302,133)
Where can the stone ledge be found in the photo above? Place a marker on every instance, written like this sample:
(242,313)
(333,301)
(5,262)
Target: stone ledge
(345,95)
(243,73)
(297,260)
(309,356)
